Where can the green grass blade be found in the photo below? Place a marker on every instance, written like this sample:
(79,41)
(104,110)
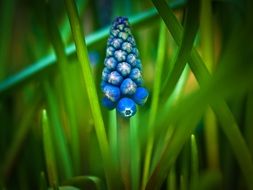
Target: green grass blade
(154,102)
(62,63)
(194,163)
(202,75)
(19,138)
(207,50)
(43,181)
(181,134)
(49,151)
(83,58)
(185,38)
(183,183)
(236,140)
(171,180)
(62,152)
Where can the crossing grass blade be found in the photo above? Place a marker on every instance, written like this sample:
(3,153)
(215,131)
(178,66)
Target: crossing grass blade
(202,75)
(186,39)
(207,49)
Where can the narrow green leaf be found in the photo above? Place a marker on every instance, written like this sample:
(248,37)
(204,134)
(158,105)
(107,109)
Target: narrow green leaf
(154,102)
(183,128)
(185,46)
(194,163)
(58,136)
(62,65)
(202,75)
(183,183)
(207,50)
(43,181)
(171,180)
(84,64)
(19,137)
(49,151)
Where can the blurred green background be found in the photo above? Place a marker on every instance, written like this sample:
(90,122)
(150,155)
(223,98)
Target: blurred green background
(195,131)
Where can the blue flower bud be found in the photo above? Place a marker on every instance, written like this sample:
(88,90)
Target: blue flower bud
(108,103)
(110,63)
(110,51)
(127,47)
(140,96)
(116,43)
(115,78)
(103,84)
(131,40)
(126,107)
(111,92)
(128,87)
(115,32)
(135,52)
(124,68)
(138,64)
(135,75)
(120,27)
(131,59)
(105,74)
(127,30)
(123,35)
(120,55)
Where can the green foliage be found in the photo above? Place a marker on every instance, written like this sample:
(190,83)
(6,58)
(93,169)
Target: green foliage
(195,132)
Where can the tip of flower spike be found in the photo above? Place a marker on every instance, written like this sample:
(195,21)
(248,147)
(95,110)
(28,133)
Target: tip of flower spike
(120,20)
(126,107)
(140,96)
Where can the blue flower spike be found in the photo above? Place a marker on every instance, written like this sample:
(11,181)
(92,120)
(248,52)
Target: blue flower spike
(121,77)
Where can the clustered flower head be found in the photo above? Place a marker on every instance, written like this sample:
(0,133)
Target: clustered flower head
(122,75)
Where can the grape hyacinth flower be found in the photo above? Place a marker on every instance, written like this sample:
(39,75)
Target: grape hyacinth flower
(122,75)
